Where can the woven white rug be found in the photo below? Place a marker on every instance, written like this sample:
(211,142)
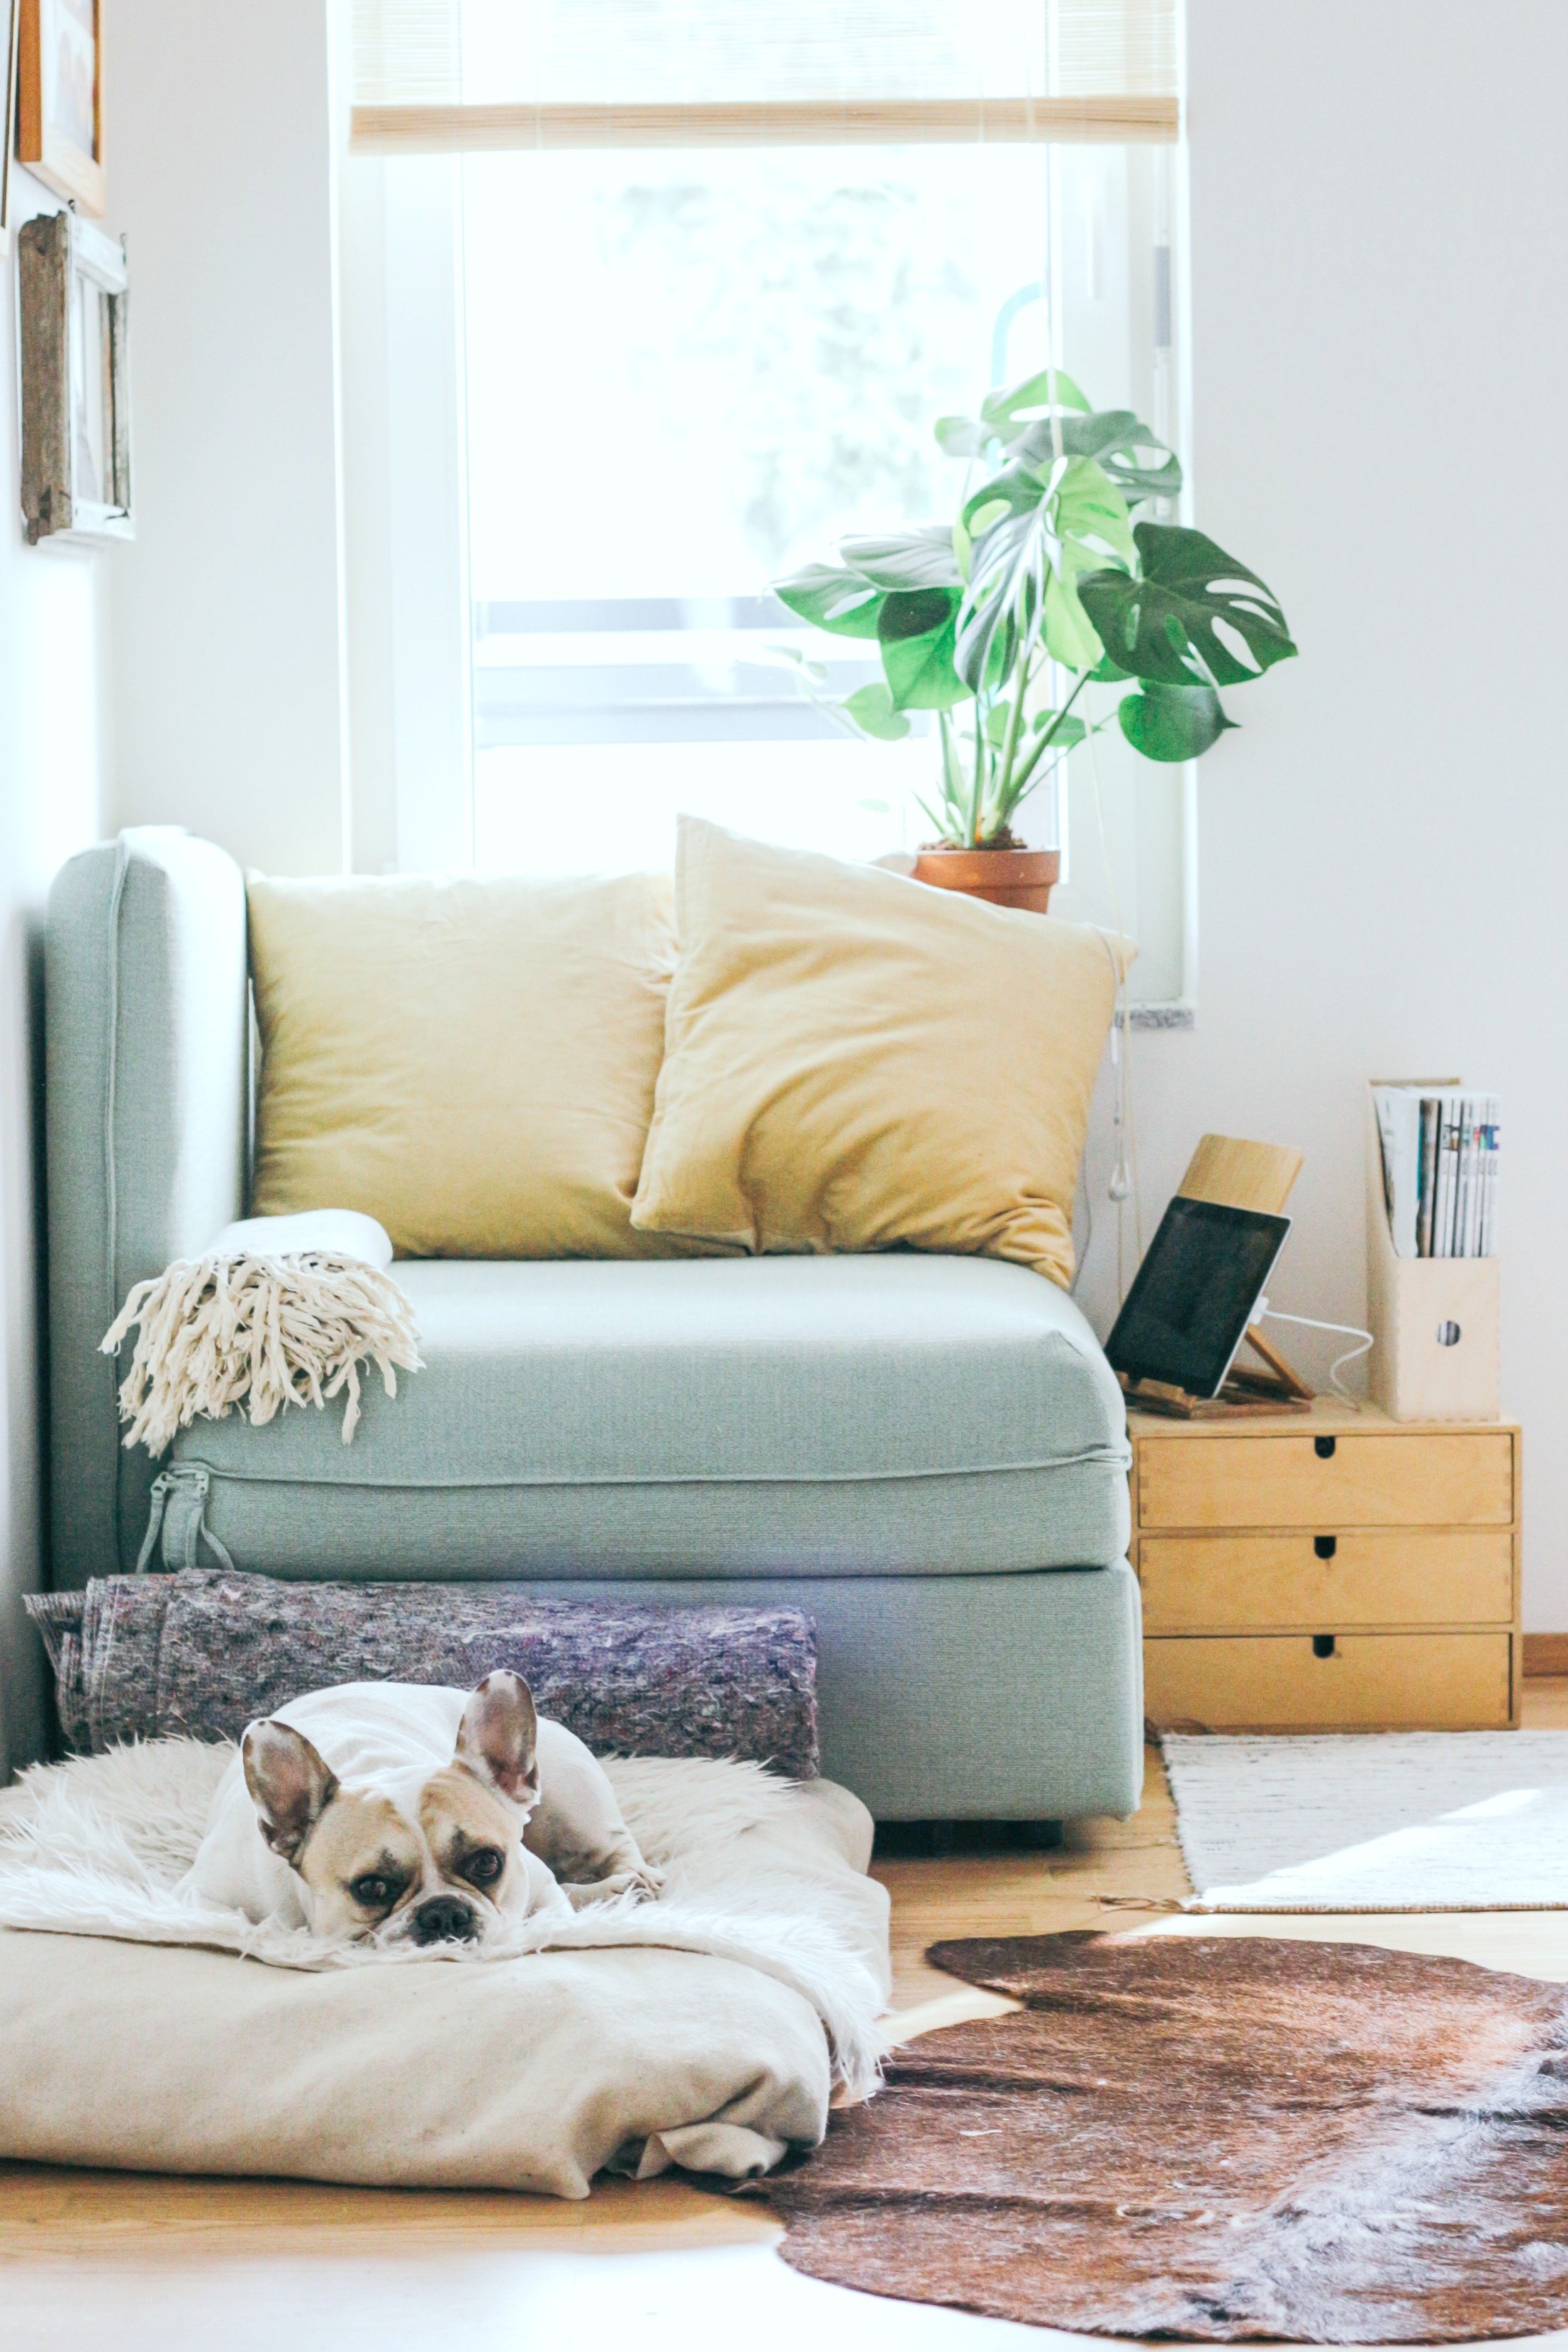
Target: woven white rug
(1408,1821)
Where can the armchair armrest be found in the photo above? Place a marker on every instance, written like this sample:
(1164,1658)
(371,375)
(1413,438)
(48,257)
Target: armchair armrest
(147,1113)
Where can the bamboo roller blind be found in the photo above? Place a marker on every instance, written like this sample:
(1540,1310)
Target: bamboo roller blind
(455,75)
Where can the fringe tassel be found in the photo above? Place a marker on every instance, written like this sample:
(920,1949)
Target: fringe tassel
(215,1332)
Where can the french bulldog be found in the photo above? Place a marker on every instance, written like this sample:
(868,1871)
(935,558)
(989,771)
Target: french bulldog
(403,1813)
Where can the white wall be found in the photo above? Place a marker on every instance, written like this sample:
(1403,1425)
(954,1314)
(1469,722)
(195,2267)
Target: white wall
(228,669)
(1378,218)
(52,604)
(1380,358)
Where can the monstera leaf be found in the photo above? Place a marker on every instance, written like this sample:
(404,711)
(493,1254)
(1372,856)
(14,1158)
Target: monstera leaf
(1013,411)
(917,633)
(1065,730)
(963,436)
(1011,521)
(1033,425)
(1164,624)
(851,599)
(1070,634)
(1008,572)
(1136,459)
(1039,525)
(923,557)
(1092,518)
(1173,722)
(1007,413)
(844,602)
(1017,489)
(871,708)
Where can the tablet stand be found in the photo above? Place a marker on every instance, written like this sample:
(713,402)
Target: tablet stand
(1279,1388)
(1236,1174)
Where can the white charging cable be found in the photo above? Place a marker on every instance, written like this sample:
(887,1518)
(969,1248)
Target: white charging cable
(1344,1330)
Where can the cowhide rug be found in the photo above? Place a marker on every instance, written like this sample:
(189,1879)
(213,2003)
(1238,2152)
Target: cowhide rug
(1214,2138)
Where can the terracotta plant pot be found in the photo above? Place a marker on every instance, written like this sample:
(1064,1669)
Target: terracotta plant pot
(1007,877)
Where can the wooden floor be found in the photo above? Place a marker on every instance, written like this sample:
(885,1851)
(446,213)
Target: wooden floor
(113,2263)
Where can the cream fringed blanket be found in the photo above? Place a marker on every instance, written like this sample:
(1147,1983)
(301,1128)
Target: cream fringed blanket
(277,1311)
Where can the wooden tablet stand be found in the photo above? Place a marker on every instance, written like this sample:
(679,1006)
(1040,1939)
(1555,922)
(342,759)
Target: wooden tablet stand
(1277,1389)
(1238,1175)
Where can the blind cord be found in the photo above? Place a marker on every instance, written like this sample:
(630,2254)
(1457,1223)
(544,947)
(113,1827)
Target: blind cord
(1123,1179)
(1123,1182)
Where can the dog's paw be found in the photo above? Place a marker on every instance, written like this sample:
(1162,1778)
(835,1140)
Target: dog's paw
(643,1884)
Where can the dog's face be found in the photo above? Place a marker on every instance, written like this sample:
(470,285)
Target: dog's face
(420,1860)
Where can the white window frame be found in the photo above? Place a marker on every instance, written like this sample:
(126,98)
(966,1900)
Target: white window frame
(405,503)
(410,623)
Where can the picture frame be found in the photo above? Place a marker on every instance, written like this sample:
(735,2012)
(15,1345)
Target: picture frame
(10,32)
(59,98)
(74,298)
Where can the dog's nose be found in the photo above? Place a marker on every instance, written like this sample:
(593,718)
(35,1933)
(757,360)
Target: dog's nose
(445,1919)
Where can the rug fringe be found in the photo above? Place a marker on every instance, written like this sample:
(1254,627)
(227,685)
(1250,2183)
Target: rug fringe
(1360,1910)
(1193,1908)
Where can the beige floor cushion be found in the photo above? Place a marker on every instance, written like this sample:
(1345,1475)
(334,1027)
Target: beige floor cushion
(530,2073)
(854,1061)
(471,1062)
(703,2029)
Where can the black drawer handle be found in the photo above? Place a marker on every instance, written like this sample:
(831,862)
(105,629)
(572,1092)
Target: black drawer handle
(1325,1546)
(1322,1645)
(1324,1448)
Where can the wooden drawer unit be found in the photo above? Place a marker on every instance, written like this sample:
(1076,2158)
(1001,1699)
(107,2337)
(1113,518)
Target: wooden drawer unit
(1402,1479)
(1348,1682)
(1301,1583)
(1337,1571)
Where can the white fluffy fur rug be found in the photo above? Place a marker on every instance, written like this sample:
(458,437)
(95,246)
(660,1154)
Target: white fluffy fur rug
(756,1870)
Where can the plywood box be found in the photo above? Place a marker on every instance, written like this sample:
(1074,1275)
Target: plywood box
(1435,1320)
(1331,1571)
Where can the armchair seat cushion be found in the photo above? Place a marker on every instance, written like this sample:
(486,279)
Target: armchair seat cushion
(896,1414)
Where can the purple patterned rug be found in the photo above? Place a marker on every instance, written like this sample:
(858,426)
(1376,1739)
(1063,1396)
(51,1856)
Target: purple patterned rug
(203,1652)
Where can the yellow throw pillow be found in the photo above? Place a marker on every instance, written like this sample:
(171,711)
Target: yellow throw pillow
(853,1061)
(472,1062)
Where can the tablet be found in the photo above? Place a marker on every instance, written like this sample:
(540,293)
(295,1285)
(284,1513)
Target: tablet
(1193,1296)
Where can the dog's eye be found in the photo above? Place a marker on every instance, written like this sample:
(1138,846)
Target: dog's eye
(484,1867)
(373,1892)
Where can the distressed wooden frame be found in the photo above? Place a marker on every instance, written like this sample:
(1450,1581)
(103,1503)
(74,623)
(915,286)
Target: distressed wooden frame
(55,254)
(48,153)
(10,33)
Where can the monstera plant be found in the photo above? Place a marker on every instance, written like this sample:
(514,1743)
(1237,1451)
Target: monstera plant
(1044,584)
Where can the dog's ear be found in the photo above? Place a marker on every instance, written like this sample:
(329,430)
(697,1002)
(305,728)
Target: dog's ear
(290,1784)
(498,1740)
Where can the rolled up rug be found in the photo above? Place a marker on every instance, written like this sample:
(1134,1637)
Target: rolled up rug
(275,1311)
(199,1653)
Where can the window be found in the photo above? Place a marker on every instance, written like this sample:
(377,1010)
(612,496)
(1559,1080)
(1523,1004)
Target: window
(646,354)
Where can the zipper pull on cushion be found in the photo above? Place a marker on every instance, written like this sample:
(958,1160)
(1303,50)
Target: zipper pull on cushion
(178,1511)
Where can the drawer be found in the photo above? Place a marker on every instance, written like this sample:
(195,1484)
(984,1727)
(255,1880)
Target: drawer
(1383,1682)
(1384,1478)
(1277,1584)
